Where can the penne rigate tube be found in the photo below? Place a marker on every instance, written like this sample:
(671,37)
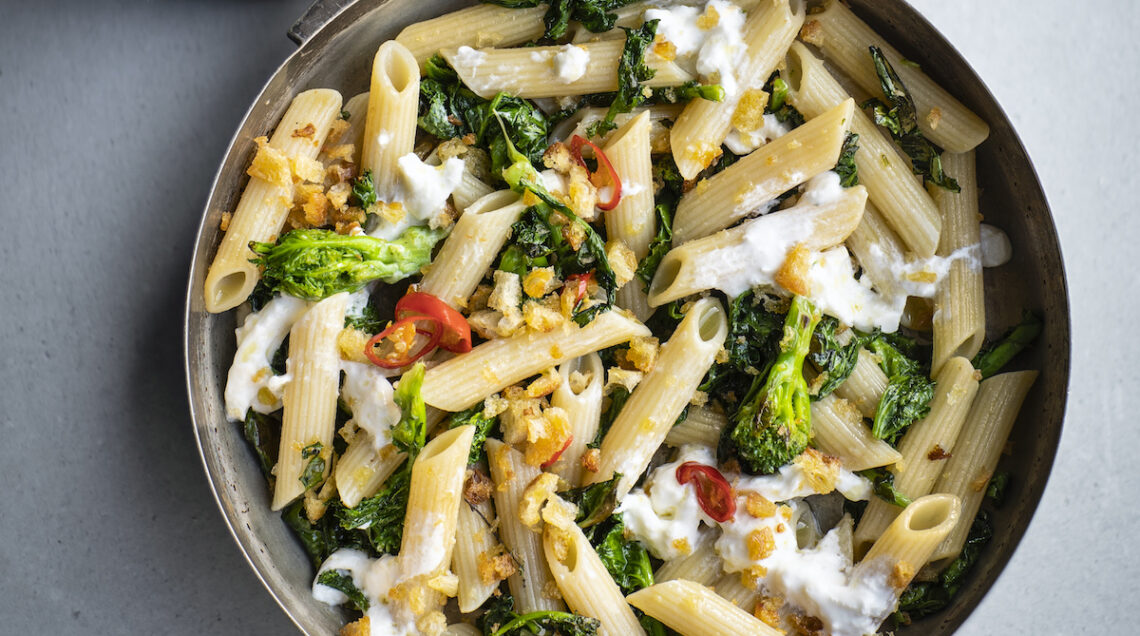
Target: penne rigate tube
(633,221)
(362,470)
(865,386)
(659,398)
(474,541)
(754,252)
(530,72)
(583,406)
(532,584)
(845,41)
(890,182)
(702,425)
(701,128)
(479,26)
(837,429)
(702,565)
(471,247)
(357,110)
(925,447)
(959,302)
(309,419)
(434,497)
(879,250)
(393,102)
(907,545)
(695,610)
(493,366)
(584,581)
(979,448)
(260,213)
(748,185)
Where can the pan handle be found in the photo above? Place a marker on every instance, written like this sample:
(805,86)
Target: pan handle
(316,17)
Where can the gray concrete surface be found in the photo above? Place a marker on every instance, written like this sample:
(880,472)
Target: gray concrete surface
(113,118)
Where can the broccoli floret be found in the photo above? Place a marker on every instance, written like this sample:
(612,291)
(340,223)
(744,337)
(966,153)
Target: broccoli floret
(315,264)
(773,423)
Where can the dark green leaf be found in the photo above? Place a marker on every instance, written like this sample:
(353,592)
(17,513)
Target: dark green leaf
(632,71)
(899,116)
(381,516)
(883,484)
(627,561)
(835,361)
(501,620)
(846,169)
(595,502)
(483,425)
(778,104)
(369,320)
(618,397)
(342,581)
(996,489)
(314,472)
(263,432)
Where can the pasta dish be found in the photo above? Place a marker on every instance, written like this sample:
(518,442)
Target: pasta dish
(611,317)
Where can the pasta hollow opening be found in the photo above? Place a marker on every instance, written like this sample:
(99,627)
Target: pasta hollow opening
(929,513)
(712,323)
(666,275)
(231,286)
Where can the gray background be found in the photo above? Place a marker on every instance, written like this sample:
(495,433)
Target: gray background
(113,119)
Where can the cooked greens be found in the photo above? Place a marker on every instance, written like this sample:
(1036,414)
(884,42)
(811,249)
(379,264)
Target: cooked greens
(995,355)
(632,71)
(342,582)
(315,264)
(900,117)
(501,620)
(773,423)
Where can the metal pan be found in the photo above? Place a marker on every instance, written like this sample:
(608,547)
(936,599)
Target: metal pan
(337,45)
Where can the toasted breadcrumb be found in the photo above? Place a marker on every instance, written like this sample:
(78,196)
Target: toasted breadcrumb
(820,470)
(477,487)
(359,627)
(535,496)
(547,436)
(224,224)
(749,113)
(767,609)
(812,33)
(642,352)
(793,274)
(901,574)
(761,544)
(934,117)
(759,506)
(495,564)
(590,459)
(270,164)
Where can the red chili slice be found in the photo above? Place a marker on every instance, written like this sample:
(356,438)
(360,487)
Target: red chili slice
(456,336)
(403,359)
(583,282)
(576,143)
(556,456)
(713,491)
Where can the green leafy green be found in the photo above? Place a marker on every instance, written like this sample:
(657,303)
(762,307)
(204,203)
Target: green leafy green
(924,598)
(369,320)
(619,395)
(909,391)
(752,344)
(778,105)
(899,116)
(690,90)
(659,246)
(592,14)
(364,190)
(344,114)
(834,360)
(410,433)
(381,516)
(522,176)
(994,356)
(846,169)
(996,489)
(324,536)
(773,423)
(483,425)
(314,471)
(501,620)
(883,485)
(595,502)
(632,71)
(626,560)
(315,264)
(342,581)
(449,109)
(263,432)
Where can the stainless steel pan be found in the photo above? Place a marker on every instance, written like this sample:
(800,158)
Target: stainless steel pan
(336,48)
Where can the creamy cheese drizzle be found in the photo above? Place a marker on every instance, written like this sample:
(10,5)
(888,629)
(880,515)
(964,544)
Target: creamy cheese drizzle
(743,143)
(423,190)
(664,514)
(570,63)
(251,382)
(368,395)
(716,50)
(374,578)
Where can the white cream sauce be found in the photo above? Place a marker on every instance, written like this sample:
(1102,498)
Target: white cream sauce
(251,382)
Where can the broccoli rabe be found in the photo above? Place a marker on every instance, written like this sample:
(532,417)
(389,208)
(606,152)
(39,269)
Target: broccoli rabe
(315,264)
(500,619)
(996,355)
(773,423)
